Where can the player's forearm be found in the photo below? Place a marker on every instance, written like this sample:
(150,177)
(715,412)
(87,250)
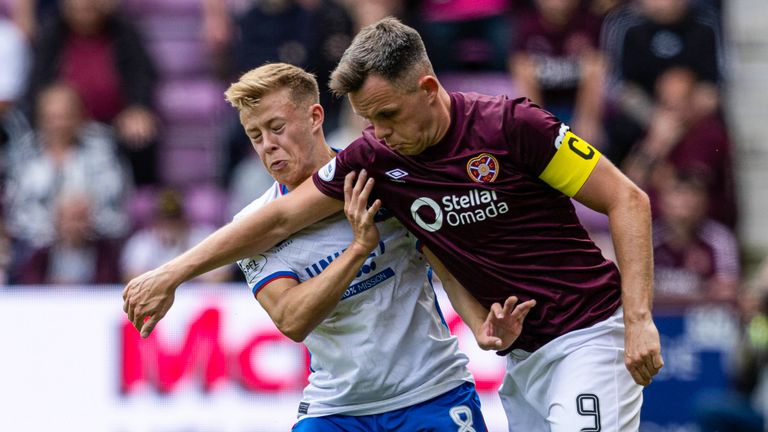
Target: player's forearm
(247,236)
(630,224)
(303,307)
(256,232)
(469,309)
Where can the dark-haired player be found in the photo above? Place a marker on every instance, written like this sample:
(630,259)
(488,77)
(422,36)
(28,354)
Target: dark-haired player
(485,183)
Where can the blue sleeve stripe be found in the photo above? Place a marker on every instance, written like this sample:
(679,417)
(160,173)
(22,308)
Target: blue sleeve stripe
(270,278)
(437,303)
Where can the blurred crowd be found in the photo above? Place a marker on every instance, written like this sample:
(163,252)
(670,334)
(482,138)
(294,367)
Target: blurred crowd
(117,151)
(110,110)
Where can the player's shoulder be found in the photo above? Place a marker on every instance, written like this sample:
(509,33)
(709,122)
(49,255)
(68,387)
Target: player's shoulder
(470,99)
(523,114)
(484,105)
(272,193)
(480,109)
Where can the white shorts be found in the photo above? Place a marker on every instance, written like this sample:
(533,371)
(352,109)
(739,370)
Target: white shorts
(577,382)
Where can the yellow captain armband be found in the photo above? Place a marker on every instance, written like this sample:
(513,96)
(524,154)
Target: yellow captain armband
(571,166)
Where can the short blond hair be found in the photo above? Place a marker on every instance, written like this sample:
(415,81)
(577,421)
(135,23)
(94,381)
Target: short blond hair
(253,85)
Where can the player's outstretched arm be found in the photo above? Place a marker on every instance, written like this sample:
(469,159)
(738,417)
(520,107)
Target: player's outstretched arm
(297,308)
(496,329)
(629,213)
(148,297)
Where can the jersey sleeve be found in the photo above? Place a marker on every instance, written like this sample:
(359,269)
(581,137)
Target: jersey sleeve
(261,270)
(330,178)
(548,150)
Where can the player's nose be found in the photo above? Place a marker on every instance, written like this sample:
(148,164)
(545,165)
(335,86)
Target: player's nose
(270,143)
(381,132)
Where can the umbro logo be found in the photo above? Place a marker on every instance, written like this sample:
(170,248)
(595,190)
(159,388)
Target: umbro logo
(396,174)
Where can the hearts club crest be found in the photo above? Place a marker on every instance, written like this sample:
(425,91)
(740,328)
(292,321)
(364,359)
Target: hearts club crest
(483,168)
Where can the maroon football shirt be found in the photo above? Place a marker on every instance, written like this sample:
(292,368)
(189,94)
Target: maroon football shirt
(475,199)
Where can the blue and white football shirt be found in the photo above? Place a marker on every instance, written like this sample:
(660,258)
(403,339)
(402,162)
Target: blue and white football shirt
(386,345)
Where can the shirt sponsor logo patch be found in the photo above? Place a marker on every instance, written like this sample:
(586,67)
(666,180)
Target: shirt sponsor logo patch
(303,408)
(396,174)
(327,172)
(483,168)
(475,206)
(252,267)
(428,224)
(365,285)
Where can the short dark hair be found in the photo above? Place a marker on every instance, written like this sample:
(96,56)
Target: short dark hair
(387,48)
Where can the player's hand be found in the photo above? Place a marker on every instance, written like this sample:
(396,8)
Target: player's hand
(148,297)
(642,350)
(503,324)
(358,213)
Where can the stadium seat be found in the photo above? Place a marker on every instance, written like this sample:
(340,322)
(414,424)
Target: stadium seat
(206,204)
(188,157)
(141,207)
(162,7)
(194,100)
(180,58)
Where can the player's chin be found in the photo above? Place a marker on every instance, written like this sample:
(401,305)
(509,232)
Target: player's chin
(408,150)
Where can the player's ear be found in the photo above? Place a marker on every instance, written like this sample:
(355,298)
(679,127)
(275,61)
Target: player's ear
(317,116)
(430,85)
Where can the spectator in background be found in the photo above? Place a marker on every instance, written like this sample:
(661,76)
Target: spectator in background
(686,135)
(65,152)
(311,34)
(249,175)
(556,62)
(466,34)
(744,406)
(100,54)
(6,257)
(14,64)
(695,257)
(349,128)
(169,234)
(643,41)
(366,12)
(28,14)
(601,8)
(77,255)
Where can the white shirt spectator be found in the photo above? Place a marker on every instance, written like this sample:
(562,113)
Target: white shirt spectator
(35,181)
(14,61)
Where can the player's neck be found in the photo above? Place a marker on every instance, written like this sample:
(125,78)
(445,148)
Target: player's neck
(442,116)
